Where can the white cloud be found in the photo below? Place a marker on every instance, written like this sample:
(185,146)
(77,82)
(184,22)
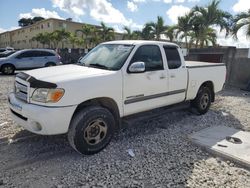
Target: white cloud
(40,12)
(118,28)
(193,1)
(139,1)
(242,41)
(176,11)
(241,6)
(9,29)
(167,1)
(2,30)
(179,1)
(100,10)
(132,6)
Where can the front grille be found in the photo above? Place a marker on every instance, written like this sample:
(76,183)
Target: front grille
(21,91)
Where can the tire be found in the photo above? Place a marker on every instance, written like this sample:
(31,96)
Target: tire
(202,101)
(91,130)
(8,69)
(50,64)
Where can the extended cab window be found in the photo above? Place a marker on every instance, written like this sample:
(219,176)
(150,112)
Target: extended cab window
(173,57)
(150,55)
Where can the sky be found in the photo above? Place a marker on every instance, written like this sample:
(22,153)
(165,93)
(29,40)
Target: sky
(115,13)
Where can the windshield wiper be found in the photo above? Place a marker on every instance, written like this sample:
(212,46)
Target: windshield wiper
(99,66)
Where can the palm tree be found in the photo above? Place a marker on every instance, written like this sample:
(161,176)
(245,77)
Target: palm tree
(128,34)
(42,38)
(203,18)
(147,33)
(137,34)
(241,20)
(62,36)
(131,35)
(183,27)
(207,36)
(74,40)
(170,33)
(212,15)
(156,28)
(89,35)
(107,33)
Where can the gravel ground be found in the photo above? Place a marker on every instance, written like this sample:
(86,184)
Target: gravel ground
(164,157)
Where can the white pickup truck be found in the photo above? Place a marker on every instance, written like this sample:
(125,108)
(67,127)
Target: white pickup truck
(116,79)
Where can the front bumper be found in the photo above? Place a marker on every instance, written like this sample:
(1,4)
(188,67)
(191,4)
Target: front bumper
(40,119)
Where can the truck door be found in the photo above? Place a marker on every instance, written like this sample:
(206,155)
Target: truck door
(146,90)
(177,74)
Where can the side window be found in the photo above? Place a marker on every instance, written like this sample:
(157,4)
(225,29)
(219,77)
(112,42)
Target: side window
(150,55)
(29,54)
(43,53)
(35,54)
(25,54)
(173,57)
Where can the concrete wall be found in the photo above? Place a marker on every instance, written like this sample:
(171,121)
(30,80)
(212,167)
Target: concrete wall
(240,72)
(236,60)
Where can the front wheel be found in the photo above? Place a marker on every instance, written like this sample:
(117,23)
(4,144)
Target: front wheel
(91,130)
(202,101)
(8,69)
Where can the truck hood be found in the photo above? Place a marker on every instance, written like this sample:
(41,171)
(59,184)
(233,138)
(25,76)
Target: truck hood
(63,73)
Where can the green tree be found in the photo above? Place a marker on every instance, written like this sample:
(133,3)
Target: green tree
(106,33)
(29,21)
(203,18)
(128,34)
(154,30)
(131,35)
(207,36)
(89,35)
(74,40)
(147,32)
(25,22)
(43,38)
(241,20)
(183,28)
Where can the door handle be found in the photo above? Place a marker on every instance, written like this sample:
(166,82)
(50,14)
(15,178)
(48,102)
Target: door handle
(172,75)
(162,77)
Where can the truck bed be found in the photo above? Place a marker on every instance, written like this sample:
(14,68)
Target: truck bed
(200,72)
(199,64)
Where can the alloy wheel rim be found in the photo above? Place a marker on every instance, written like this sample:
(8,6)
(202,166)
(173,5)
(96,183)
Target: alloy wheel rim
(204,101)
(8,70)
(95,132)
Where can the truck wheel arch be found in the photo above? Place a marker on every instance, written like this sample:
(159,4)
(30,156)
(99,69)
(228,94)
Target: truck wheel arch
(210,85)
(105,102)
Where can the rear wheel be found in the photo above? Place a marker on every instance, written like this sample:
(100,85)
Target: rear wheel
(91,130)
(8,69)
(202,102)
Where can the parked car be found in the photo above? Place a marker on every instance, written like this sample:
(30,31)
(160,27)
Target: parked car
(6,49)
(6,53)
(114,80)
(29,59)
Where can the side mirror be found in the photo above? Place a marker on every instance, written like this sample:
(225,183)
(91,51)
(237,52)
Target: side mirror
(137,67)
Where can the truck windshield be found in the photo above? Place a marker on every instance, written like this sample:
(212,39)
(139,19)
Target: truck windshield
(107,56)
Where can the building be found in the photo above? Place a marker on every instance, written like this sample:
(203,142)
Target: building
(22,38)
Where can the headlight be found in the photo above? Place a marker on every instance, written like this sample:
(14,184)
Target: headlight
(45,95)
